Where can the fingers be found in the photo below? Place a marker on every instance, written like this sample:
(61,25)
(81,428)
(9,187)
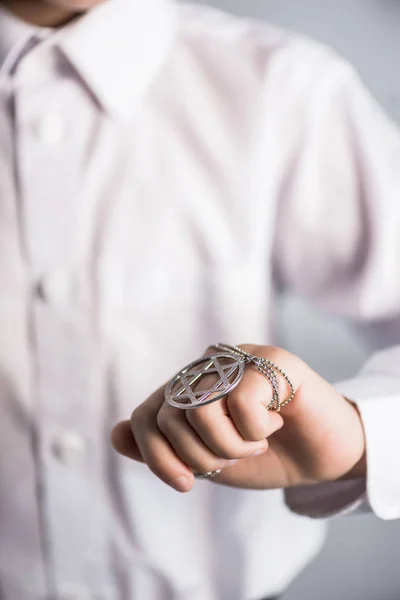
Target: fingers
(243,416)
(148,442)
(187,443)
(162,437)
(218,431)
(123,441)
(175,443)
(247,406)
(156,450)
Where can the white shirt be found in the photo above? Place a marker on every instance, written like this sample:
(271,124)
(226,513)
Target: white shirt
(164,169)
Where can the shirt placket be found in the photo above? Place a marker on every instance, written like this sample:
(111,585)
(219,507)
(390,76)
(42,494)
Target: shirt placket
(49,160)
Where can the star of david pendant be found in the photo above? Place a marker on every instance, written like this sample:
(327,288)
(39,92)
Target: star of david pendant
(182,391)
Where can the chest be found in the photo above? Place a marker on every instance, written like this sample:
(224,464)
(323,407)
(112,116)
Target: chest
(157,229)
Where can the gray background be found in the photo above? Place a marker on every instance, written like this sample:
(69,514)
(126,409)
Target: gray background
(361,560)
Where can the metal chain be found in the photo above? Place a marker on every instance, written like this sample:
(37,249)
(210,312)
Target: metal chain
(267,368)
(269,364)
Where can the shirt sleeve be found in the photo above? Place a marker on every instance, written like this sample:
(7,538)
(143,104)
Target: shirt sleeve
(376,392)
(337,244)
(337,240)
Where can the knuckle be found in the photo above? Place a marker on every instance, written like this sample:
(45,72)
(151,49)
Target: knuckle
(239,401)
(272,351)
(251,426)
(269,352)
(260,450)
(198,417)
(247,347)
(278,355)
(138,418)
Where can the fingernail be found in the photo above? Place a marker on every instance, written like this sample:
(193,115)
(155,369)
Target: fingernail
(259,452)
(181,484)
(230,463)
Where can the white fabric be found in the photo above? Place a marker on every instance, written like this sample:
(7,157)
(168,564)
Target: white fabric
(163,169)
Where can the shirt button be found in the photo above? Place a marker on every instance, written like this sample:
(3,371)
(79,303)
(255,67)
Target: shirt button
(68,446)
(55,288)
(50,128)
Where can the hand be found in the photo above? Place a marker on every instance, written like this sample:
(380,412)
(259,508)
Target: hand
(318,437)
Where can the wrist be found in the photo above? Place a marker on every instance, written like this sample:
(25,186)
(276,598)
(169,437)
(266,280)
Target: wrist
(359,469)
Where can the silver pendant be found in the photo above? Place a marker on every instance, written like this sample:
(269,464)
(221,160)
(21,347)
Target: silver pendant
(227,366)
(227,369)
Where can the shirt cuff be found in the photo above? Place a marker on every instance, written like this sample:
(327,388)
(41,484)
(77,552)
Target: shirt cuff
(328,499)
(376,392)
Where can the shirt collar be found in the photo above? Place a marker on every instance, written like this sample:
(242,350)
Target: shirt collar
(118,47)
(14,34)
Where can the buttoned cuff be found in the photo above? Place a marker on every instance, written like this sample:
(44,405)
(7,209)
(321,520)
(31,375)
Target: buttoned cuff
(376,392)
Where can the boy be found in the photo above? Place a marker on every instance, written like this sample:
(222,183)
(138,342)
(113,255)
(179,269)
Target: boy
(164,169)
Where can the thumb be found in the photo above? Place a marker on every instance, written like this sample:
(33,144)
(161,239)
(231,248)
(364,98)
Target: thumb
(123,441)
